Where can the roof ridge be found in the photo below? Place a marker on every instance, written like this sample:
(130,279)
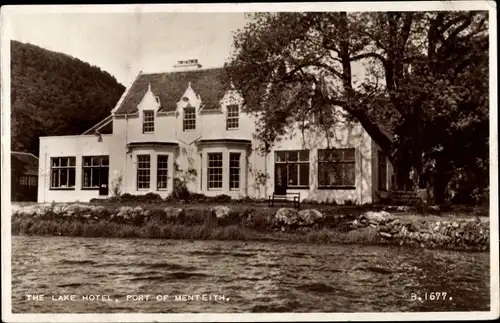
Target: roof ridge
(23,153)
(184,71)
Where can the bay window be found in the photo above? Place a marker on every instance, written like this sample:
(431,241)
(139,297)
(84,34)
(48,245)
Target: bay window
(143,171)
(162,172)
(214,170)
(234,171)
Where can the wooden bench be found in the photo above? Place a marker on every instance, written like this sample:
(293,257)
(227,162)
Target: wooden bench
(283,195)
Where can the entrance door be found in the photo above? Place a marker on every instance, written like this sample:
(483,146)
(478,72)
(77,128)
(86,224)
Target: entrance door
(103,181)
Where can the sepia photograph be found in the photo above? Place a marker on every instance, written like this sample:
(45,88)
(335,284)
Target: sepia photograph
(249,162)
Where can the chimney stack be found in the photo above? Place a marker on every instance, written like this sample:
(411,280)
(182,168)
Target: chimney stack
(190,64)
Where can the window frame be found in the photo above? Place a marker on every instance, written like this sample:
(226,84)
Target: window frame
(148,120)
(297,162)
(189,121)
(159,169)
(234,177)
(23,180)
(220,171)
(341,161)
(382,185)
(232,118)
(33,181)
(60,168)
(144,169)
(92,167)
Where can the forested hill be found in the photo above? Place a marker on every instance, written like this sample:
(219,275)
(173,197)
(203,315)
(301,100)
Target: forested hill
(55,94)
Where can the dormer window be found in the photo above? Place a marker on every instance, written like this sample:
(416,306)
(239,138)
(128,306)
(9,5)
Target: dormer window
(189,122)
(232,118)
(148,121)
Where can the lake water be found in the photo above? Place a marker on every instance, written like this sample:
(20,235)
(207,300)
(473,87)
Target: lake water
(240,277)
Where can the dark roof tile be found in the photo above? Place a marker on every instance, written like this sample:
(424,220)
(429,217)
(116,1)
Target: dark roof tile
(210,84)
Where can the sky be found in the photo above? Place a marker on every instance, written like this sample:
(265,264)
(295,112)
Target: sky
(125,43)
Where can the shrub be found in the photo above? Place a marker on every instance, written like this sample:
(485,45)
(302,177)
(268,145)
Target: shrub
(287,216)
(194,216)
(310,216)
(349,202)
(180,190)
(261,220)
(152,197)
(209,220)
(221,212)
(198,197)
(129,215)
(223,198)
(481,196)
(309,201)
(421,207)
(117,186)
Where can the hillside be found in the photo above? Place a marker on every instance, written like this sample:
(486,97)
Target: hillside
(55,94)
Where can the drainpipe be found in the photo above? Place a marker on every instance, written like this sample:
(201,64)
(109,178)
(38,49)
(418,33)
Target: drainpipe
(45,180)
(361,182)
(265,169)
(125,174)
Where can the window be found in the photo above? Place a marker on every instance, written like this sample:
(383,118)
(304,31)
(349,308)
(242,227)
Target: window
(95,169)
(382,172)
(232,120)
(214,170)
(336,167)
(23,180)
(234,171)
(148,122)
(32,181)
(162,172)
(189,119)
(27,180)
(62,172)
(143,171)
(292,168)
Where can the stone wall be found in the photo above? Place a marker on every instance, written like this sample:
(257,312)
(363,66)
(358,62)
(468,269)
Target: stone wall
(429,232)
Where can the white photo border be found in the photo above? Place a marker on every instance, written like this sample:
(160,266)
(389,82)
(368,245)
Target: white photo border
(9,13)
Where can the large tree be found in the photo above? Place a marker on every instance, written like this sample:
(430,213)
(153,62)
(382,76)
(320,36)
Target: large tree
(416,81)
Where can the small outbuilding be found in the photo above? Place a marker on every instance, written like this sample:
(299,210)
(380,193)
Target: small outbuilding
(24,176)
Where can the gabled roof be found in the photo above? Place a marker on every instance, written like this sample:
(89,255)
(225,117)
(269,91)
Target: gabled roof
(26,163)
(210,84)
